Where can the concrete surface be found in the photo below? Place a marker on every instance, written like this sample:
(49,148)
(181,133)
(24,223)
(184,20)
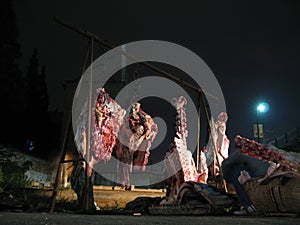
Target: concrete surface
(14,218)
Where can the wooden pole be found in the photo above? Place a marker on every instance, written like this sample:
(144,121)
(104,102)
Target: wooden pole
(156,69)
(146,64)
(89,131)
(61,159)
(64,144)
(198,134)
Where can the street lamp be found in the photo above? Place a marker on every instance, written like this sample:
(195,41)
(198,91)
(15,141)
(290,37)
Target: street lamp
(261,108)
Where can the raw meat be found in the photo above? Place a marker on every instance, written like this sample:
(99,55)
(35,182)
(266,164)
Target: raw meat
(179,160)
(137,133)
(286,163)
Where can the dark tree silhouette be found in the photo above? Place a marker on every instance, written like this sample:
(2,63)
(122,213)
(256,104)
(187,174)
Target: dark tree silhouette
(10,48)
(32,84)
(38,101)
(12,84)
(37,93)
(43,90)
(24,100)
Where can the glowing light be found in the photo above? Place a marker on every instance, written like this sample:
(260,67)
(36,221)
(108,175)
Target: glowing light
(262,107)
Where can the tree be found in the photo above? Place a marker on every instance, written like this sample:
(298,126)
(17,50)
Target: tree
(37,92)
(37,103)
(32,84)
(10,48)
(43,91)
(12,84)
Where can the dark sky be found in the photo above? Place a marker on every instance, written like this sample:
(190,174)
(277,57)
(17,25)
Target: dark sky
(251,46)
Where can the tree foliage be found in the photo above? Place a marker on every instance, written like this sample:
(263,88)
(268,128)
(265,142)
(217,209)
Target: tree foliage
(37,93)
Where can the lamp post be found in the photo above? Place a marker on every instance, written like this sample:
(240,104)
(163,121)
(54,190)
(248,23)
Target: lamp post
(261,108)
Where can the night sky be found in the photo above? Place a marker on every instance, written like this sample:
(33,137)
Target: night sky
(251,46)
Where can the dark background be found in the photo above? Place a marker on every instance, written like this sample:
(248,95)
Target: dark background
(251,46)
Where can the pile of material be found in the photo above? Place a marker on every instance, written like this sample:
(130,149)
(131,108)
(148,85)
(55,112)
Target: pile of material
(193,199)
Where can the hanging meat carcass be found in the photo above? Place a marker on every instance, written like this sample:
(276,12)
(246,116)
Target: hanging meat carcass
(129,137)
(218,145)
(107,117)
(284,163)
(179,160)
(137,133)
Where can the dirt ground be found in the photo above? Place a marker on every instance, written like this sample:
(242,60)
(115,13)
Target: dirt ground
(105,197)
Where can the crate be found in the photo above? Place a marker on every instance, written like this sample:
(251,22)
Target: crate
(279,194)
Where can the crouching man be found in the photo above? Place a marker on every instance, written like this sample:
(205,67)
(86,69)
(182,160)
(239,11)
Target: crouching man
(235,169)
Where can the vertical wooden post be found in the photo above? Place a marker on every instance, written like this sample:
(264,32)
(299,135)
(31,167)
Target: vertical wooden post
(198,134)
(89,130)
(61,159)
(64,144)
